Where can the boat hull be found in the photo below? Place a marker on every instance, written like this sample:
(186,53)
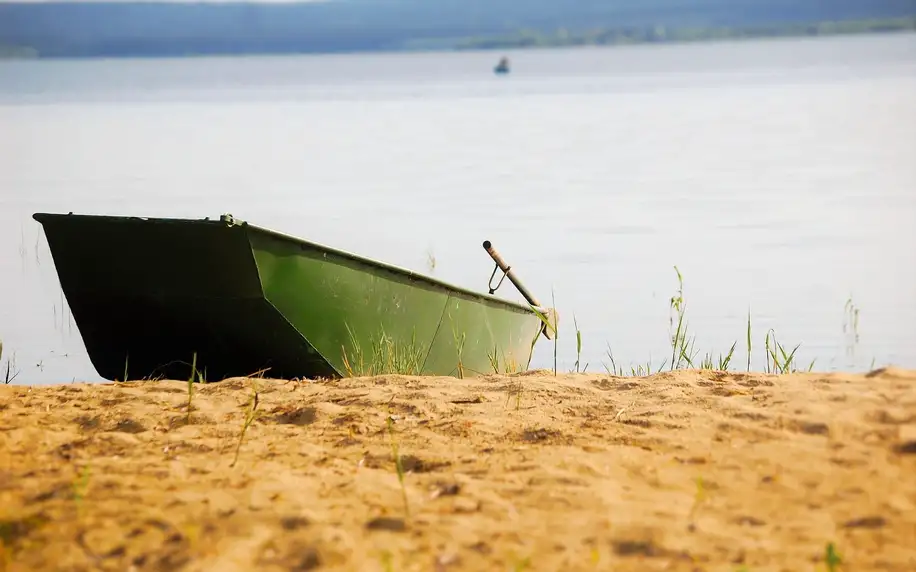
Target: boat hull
(151,296)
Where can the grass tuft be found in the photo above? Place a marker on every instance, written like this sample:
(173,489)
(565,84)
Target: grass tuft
(387,561)
(639,370)
(187,420)
(398,465)
(721,363)
(250,415)
(507,366)
(699,497)
(494,360)
(832,558)
(578,346)
(748,340)
(10,371)
(683,353)
(80,488)
(385,356)
(522,564)
(778,358)
(459,348)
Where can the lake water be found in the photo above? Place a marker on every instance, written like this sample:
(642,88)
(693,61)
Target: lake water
(779,176)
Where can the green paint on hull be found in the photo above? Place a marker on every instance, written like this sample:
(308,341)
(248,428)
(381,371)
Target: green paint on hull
(147,294)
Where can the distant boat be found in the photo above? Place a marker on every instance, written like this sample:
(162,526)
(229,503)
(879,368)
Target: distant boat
(502,67)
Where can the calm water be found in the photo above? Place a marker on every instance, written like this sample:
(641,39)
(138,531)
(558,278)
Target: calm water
(780,177)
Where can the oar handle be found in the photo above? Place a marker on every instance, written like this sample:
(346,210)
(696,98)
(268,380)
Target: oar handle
(510,274)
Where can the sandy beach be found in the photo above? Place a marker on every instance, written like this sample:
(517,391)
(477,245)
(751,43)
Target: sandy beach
(686,470)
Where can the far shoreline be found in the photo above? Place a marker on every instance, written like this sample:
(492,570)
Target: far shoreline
(34,55)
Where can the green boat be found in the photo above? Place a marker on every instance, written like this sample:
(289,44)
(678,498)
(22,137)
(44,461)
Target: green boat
(165,297)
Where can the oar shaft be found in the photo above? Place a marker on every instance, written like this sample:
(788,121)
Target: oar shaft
(510,274)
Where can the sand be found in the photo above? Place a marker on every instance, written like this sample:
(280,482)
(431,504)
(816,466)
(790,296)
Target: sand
(684,470)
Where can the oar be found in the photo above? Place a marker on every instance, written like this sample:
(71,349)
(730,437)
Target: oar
(510,274)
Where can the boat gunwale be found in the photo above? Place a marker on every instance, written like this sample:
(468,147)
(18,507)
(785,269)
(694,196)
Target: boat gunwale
(391,268)
(429,280)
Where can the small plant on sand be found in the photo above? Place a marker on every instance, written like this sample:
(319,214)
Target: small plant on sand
(515,391)
(699,497)
(832,558)
(459,347)
(80,488)
(9,370)
(504,365)
(777,359)
(494,360)
(509,366)
(398,465)
(682,351)
(187,419)
(521,564)
(578,345)
(683,354)
(387,561)
(721,364)
(250,415)
(748,340)
(353,364)
(639,370)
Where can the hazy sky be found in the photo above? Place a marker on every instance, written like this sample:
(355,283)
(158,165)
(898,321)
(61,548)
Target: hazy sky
(177,1)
